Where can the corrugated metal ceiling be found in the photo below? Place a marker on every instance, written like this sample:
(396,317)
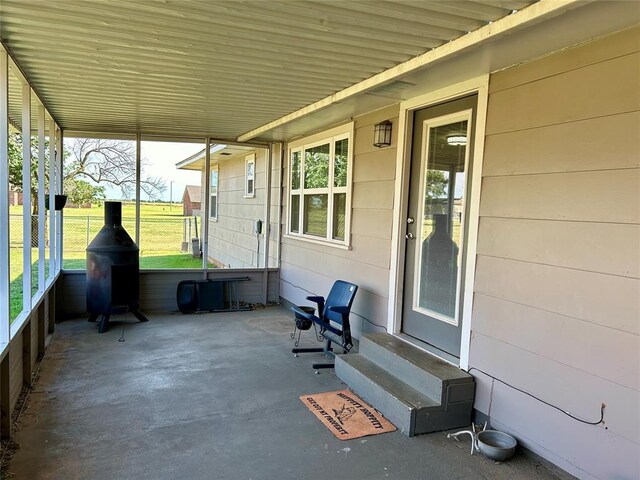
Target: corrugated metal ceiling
(217,68)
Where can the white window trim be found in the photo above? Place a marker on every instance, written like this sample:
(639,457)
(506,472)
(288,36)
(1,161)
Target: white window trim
(249,159)
(329,136)
(214,168)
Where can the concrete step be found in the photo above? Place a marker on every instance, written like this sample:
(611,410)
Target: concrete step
(423,372)
(397,401)
(418,392)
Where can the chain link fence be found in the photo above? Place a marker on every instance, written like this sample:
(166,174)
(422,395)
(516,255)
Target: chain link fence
(16,259)
(164,243)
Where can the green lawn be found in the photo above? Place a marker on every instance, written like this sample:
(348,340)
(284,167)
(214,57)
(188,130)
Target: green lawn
(162,231)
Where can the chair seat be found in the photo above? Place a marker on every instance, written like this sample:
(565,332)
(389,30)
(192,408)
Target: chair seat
(311,317)
(332,318)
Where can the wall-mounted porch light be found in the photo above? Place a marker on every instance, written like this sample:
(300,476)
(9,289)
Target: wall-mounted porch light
(457,140)
(382,134)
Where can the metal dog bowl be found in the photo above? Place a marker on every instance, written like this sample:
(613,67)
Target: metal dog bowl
(498,446)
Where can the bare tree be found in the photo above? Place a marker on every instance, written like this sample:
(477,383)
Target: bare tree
(110,161)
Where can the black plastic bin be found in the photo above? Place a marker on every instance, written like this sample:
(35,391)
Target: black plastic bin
(304,323)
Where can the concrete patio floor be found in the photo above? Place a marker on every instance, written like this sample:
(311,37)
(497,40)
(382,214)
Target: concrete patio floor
(211,396)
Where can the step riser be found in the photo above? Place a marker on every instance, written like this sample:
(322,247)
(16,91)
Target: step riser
(411,374)
(456,416)
(394,410)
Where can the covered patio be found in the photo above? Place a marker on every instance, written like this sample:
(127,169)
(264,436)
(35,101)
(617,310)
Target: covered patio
(316,127)
(211,396)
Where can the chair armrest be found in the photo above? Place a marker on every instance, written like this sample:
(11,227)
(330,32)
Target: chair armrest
(320,302)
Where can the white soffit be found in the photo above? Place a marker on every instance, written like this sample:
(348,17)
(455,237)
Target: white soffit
(539,30)
(218,68)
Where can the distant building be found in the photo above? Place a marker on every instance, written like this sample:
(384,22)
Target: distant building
(15,197)
(191,200)
(236,202)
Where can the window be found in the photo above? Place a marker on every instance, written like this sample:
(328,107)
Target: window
(320,186)
(213,193)
(250,170)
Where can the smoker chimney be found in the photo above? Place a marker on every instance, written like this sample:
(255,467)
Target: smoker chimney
(113,268)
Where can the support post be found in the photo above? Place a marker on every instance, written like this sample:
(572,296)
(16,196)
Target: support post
(60,214)
(267,222)
(204,228)
(4,201)
(138,170)
(41,208)
(53,190)
(26,197)
(281,212)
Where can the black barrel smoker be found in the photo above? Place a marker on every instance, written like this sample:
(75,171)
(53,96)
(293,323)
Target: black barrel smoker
(113,265)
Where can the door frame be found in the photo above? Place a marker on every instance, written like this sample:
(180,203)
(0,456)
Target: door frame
(480,86)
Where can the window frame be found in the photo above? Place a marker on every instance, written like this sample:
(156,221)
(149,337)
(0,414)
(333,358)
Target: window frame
(330,137)
(249,159)
(213,197)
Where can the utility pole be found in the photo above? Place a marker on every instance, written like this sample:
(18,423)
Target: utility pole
(170,195)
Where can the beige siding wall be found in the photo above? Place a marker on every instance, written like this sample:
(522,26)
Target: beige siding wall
(557,310)
(232,241)
(310,267)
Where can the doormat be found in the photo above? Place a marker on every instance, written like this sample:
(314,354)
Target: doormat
(346,415)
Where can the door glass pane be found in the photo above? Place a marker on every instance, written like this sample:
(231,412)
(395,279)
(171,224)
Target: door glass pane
(315,215)
(316,167)
(440,235)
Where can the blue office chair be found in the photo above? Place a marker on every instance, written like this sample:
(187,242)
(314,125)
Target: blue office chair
(332,320)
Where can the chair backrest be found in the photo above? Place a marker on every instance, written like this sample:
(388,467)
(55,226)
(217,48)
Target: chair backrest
(341,295)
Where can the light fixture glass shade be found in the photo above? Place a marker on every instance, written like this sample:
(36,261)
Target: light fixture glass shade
(382,134)
(457,140)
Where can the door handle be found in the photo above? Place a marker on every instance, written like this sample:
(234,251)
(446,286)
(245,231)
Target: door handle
(409,236)
(410,220)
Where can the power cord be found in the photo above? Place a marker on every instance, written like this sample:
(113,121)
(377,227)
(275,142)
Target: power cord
(370,322)
(568,414)
(574,417)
